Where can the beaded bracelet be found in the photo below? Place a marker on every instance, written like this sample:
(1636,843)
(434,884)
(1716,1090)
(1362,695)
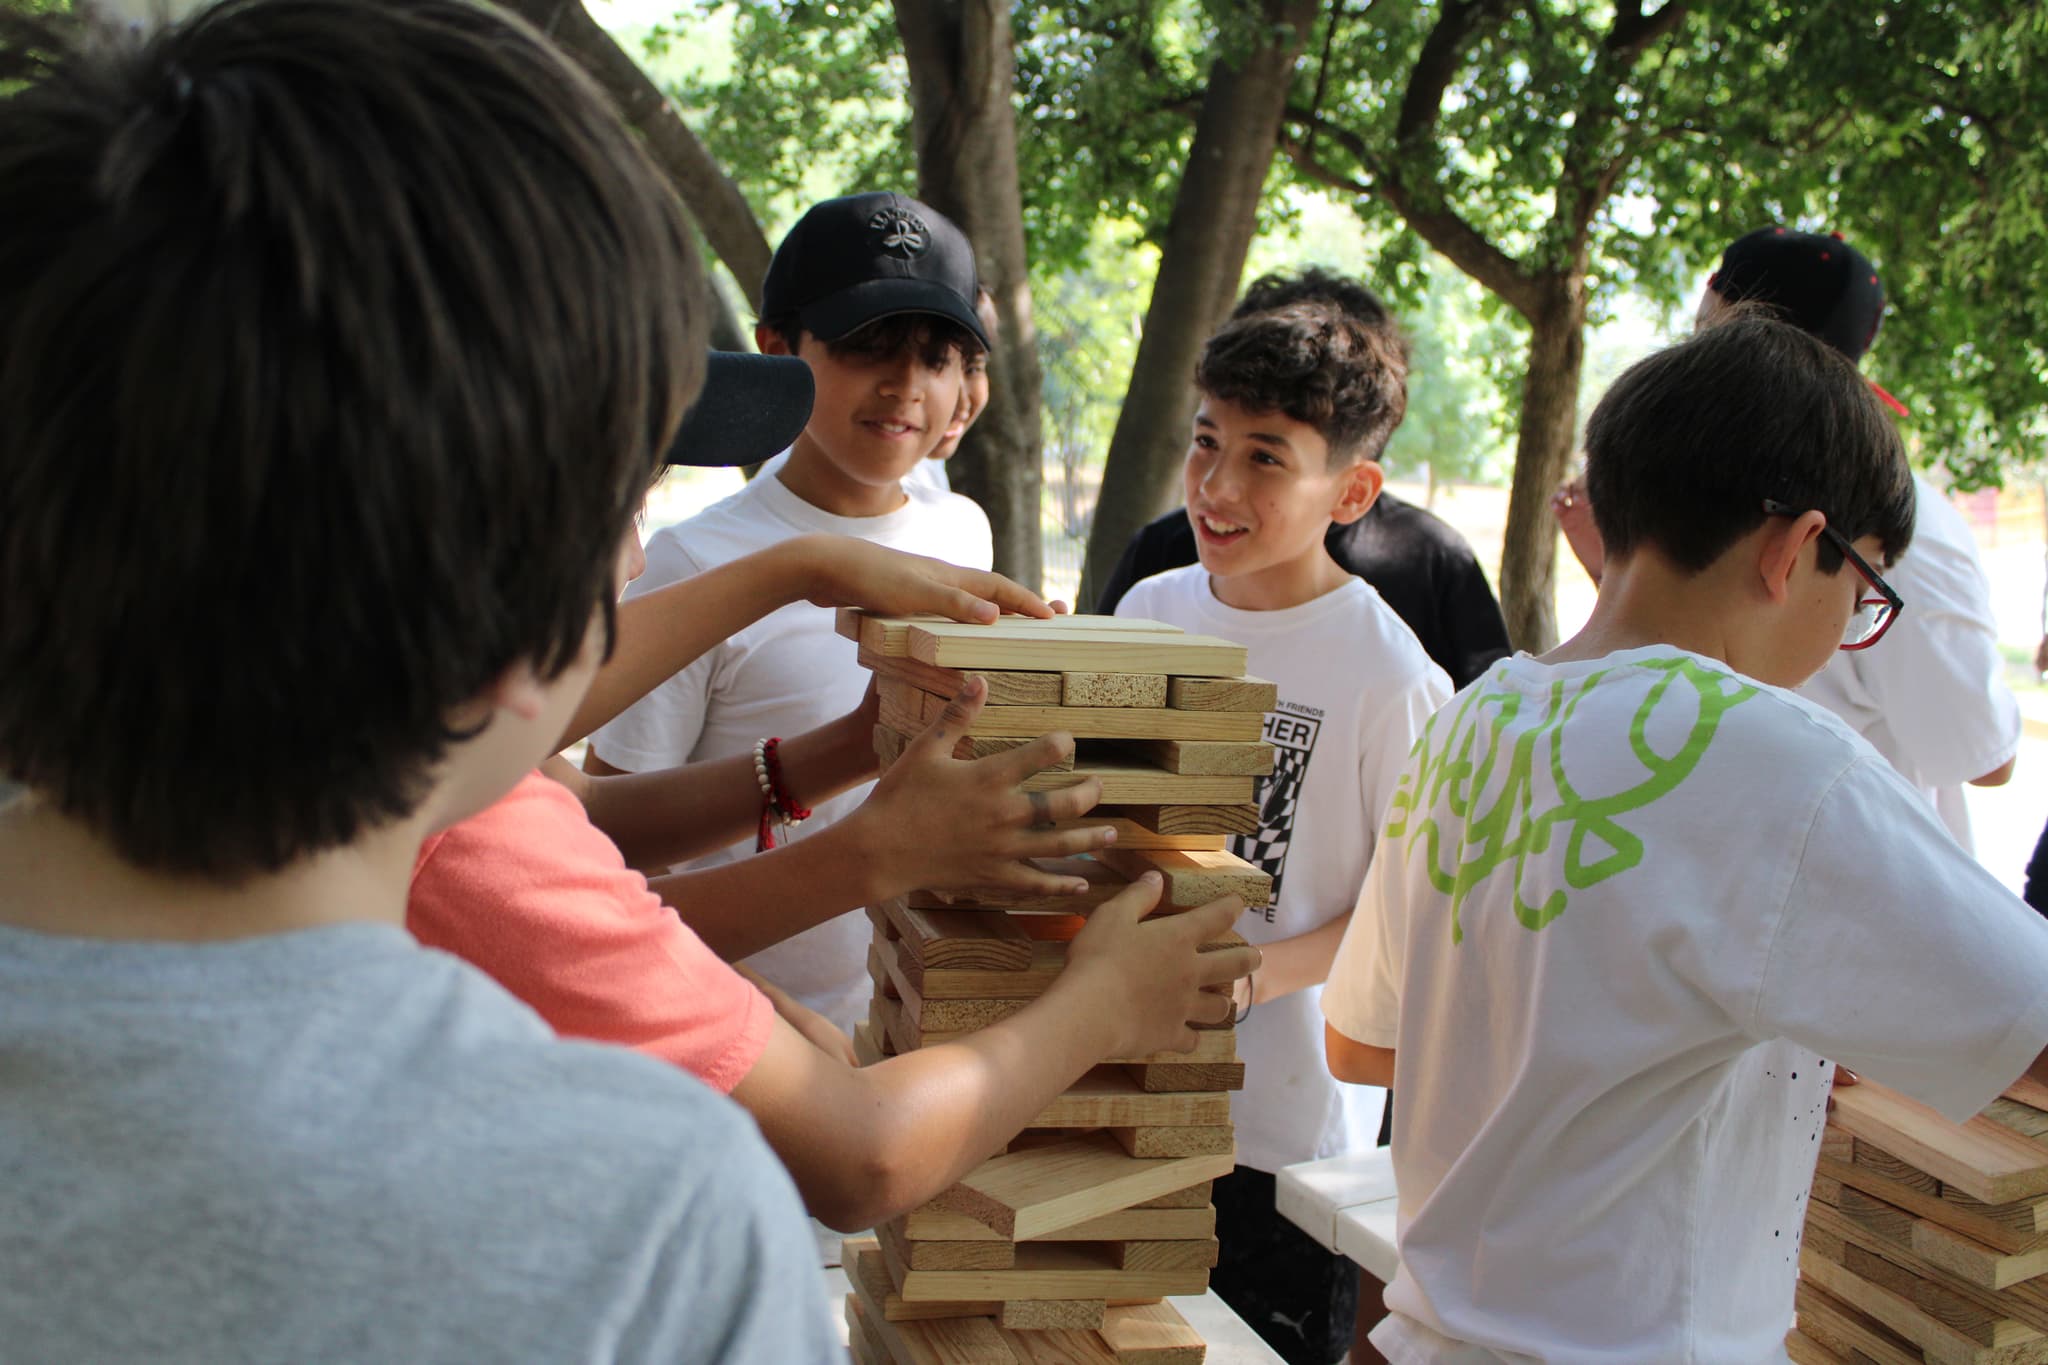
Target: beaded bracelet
(778,807)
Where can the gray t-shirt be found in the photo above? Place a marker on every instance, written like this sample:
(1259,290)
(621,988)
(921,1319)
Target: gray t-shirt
(335,1145)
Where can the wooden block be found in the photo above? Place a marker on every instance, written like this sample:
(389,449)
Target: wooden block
(1942,1344)
(1971,1260)
(909,710)
(1132,835)
(869,1275)
(1044,1270)
(1801,1349)
(2028,1091)
(1875,1159)
(1108,1097)
(1222,694)
(1978,1316)
(1205,757)
(1152,1334)
(2025,1220)
(1192,879)
(866,1050)
(1112,689)
(891,1021)
(1160,1076)
(1982,1159)
(938,937)
(1034,647)
(1103,882)
(1050,1188)
(2015,1117)
(1061,1316)
(889,636)
(971,983)
(1004,688)
(1206,818)
(890,743)
(1836,1144)
(1998,1232)
(1197,1254)
(978,1254)
(1192,1197)
(931,1222)
(1168,1141)
(1821,1313)
(934,1015)
(1137,783)
(863,1340)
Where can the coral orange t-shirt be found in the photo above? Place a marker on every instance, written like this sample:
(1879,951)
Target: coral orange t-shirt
(535,895)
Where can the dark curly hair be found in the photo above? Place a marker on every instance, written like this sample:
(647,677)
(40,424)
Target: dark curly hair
(1318,364)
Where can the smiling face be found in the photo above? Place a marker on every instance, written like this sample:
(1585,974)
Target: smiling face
(1261,496)
(973,400)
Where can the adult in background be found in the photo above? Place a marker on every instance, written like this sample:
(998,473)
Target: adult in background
(1422,568)
(1931,701)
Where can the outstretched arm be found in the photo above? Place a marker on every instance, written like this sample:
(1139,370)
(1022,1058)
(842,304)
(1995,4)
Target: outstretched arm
(660,632)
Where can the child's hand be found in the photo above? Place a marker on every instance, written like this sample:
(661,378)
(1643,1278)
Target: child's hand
(1574,513)
(840,571)
(948,824)
(1155,981)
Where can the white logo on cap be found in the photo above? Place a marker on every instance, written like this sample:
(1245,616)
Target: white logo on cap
(899,232)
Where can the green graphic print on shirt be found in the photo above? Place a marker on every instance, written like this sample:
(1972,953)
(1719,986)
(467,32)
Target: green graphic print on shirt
(1452,778)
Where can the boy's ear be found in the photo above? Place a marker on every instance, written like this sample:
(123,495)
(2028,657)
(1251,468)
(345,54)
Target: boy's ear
(1358,489)
(1784,543)
(769,341)
(518,690)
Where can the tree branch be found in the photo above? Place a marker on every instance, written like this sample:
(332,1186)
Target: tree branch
(1437,62)
(1634,31)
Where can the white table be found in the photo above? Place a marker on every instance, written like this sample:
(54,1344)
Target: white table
(1231,1342)
(1347,1204)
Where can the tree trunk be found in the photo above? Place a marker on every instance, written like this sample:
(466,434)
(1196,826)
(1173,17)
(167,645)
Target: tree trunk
(1215,212)
(714,201)
(962,75)
(1543,452)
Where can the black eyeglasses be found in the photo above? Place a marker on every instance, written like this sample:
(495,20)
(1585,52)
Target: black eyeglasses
(1873,615)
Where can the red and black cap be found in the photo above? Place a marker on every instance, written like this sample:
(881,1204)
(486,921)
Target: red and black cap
(752,407)
(855,260)
(1823,285)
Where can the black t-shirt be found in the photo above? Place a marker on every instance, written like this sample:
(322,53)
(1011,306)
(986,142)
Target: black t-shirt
(1425,570)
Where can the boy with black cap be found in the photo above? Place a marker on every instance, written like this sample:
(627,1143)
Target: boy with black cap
(1932,701)
(876,294)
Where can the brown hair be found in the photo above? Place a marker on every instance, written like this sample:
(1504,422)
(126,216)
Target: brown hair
(1317,364)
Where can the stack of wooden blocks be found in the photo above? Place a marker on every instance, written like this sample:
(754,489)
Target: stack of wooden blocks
(1925,1240)
(1064,1246)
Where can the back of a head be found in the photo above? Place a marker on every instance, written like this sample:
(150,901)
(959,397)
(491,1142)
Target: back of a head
(1685,447)
(338,342)
(1318,284)
(1317,364)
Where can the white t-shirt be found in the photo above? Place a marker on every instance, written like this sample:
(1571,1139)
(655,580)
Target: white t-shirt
(785,674)
(1928,696)
(1622,911)
(1355,690)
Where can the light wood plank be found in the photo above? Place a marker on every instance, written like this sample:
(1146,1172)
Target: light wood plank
(1192,1197)
(890,1021)
(890,744)
(1801,1349)
(1112,689)
(1167,1076)
(941,937)
(1980,1158)
(1192,879)
(1152,1334)
(969,983)
(1840,1322)
(1200,1254)
(1053,1346)
(932,1222)
(948,1339)
(1108,1097)
(909,709)
(1971,1260)
(1222,694)
(1942,1343)
(1049,1188)
(1971,1223)
(1205,757)
(924,1253)
(1054,1319)
(889,636)
(1206,818)
(951,645)
(1980,1317)
(1004,688)
(1044,1270)
(1175,1140)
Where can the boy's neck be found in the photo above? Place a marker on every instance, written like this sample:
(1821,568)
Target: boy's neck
(1644,601)
(810,474)
(58,877)
(1280,586)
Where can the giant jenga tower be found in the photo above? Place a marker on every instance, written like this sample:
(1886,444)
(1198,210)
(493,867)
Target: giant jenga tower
(1063,1247)
(1925,1240)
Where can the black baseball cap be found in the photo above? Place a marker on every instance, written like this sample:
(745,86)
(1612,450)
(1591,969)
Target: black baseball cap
(1824,286)
(752,407)
(853,260)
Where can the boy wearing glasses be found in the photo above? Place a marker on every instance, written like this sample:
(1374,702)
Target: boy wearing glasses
(1634,897)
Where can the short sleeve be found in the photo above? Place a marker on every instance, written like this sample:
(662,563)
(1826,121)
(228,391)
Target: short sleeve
(1896,954)
(1362,999)
(662,728)
(536,896)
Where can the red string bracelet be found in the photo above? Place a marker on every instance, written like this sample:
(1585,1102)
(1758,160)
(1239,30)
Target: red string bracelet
(778,807)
